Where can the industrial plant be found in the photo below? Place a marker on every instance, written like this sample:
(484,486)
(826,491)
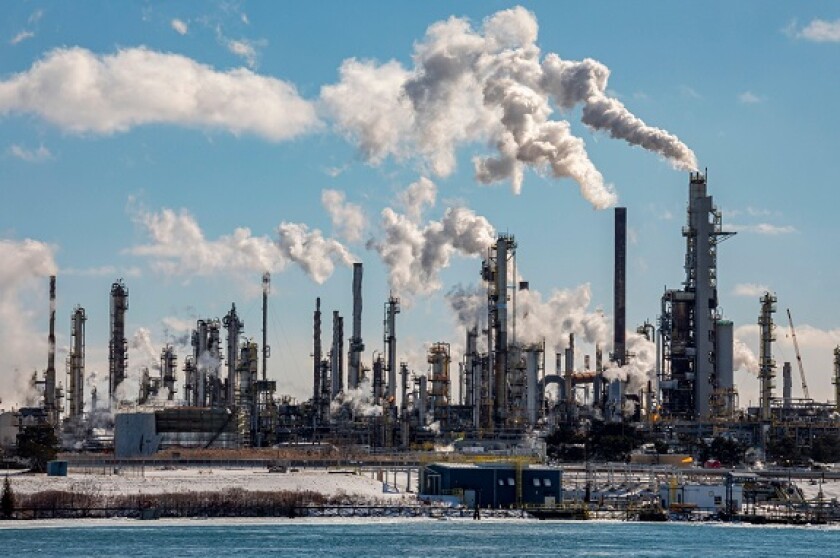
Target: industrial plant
(512,396)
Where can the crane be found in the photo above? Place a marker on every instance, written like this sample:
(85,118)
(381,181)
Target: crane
(798,357)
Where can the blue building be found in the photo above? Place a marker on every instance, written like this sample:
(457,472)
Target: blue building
(496,485)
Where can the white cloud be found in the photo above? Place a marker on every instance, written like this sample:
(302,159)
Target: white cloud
(749,98)
(82,92)
(177,325)
(750,289)
(102,271)
(245,49)
(178,247)
(690,92)
(38,155)
(333,172)
(36,16)
(179,26)
(766,229)
(22,36)
(821,31)
(347,218)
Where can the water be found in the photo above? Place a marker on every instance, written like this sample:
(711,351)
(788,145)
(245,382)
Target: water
(412,538)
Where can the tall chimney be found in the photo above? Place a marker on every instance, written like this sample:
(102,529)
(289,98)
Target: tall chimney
(356,344)
(316,352)
(266,350)
(619,285)
(49,376)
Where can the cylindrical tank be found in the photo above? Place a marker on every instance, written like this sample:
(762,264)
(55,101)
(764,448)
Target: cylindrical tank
(532,364)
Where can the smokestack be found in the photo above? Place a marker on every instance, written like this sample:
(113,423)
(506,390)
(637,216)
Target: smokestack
(787,385)
(570,368)
(619,285)
(316,352)
(837,378)
(356,344)
(49,376)
(266,350)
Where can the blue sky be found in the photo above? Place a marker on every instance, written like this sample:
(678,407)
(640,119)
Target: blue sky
(90,170)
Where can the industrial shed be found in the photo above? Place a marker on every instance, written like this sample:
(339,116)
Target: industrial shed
(497,485)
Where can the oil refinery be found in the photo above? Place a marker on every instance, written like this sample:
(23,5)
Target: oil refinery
(503,394)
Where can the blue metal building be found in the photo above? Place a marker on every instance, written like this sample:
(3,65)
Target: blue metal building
(496,485)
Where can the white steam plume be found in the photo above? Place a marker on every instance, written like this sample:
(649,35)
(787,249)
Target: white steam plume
(414,253)
(178,247)
(489,85)
(743,358)
(23,316)
(640,368)
(566,311)
(359,401)
(347,218)
(418,196)
(314,254)
(83,92)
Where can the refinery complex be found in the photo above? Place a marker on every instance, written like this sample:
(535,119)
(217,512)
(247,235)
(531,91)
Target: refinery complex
(503,395)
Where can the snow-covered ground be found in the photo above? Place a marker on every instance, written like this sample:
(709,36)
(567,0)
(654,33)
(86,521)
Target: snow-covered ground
(194,479)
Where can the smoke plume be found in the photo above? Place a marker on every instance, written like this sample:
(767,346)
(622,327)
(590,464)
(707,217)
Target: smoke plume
(414,253)
(489,85)
(24,309)
(347,218)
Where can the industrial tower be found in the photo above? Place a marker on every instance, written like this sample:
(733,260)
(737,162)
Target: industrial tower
(767,366)
(690,316)
(76,366)
(118,346)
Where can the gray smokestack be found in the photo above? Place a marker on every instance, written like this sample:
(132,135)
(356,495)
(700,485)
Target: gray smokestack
(316,352)
(356,344)
(49,376)
(619,285)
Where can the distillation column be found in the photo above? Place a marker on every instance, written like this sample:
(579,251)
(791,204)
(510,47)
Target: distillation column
(76,361)
(767,366)
(495,273)
(168,364)
(118,346)
(356,344)
(392,308)
(234,327)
